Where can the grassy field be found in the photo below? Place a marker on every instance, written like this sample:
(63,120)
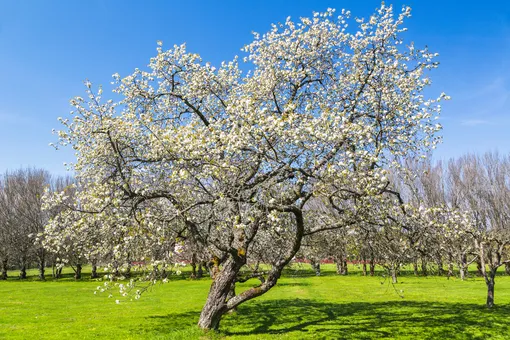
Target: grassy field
(301,306)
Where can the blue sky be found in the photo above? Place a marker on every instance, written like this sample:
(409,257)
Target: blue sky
(48,48)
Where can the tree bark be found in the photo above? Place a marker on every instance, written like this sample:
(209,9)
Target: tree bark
(372,266)
(463,267)
(364,267)
(23,269)
(41,268)
(479,268)
(393,272)
(345,271)
(316,266)
(3,274)
(490,293)
(424,271)
(216,304)
(93,273)
(415,268)
(450,265)
(77,273)
(193,269)
(200,271)
(440,269)
(58,272)
(507,268)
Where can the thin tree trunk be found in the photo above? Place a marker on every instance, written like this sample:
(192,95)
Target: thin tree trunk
(193,267)
(58,272)
(440,269)
(127,273)
(200,271)
(364,266)
(345,271)
(415,268)
(479,270)
(393,272)
(424,271)
(316,266)
(41,267)
(77,273)
(372,266)
(4,263)
(23,269)
(450,265)
(338,266)
(507,268)
(93,273)
(490,293)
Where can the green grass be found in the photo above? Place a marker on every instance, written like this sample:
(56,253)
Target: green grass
(301,306)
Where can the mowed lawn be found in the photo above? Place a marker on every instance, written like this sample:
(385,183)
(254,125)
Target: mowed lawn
(301,306)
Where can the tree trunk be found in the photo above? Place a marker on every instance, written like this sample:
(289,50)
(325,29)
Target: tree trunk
(41,268)
(393,272)
(450,265)
(77,273)
(200,271)
(316,267)
(364,267)
(127,273)
(58,272)
(463,267)
(440,270)
(345,271)
(216,304)
(193,270)
(23,269)
(3,275)
(490,293)
(93,273)
(415,268)
(479,268)
(507,268)
(462,272)
(372,266)
(424,271)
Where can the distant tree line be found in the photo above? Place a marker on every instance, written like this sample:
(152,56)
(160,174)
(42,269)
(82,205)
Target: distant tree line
(22,219)
(440,216)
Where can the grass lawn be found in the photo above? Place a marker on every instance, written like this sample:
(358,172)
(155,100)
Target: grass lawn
(301,306)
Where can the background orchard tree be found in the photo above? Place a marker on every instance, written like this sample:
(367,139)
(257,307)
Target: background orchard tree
(6,231)
(235,158)
(483,184)
(23,217)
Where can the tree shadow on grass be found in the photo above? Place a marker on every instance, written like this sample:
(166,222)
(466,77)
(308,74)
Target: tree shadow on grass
(301,318)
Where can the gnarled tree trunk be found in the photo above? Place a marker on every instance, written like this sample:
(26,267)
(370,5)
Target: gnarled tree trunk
(216,304)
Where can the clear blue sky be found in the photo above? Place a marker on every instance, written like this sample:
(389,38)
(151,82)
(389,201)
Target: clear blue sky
(47,49)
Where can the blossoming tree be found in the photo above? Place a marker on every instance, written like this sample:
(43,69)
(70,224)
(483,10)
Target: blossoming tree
(229,160)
